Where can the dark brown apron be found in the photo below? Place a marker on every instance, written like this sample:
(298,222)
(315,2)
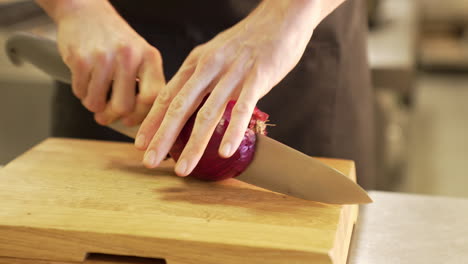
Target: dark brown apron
(324,107)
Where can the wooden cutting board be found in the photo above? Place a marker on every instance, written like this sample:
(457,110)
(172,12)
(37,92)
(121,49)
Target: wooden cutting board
(78,201)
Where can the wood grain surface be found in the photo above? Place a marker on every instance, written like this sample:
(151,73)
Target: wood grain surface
(67,198)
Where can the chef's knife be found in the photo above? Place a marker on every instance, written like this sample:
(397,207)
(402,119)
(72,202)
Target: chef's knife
(275,166)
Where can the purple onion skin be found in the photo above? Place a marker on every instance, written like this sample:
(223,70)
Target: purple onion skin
(211,166)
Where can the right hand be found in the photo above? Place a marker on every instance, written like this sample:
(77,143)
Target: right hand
(102,50)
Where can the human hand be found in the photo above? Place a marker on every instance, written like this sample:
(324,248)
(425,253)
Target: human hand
(103,51)
(242,63)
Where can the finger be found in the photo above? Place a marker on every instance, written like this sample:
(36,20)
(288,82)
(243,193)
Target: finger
(241,115)
(180,109)
(123,91)
(99,85)
(106,117)
(138,115)
(208,118)
(81,74)
(154,118)
(151,77)
(151,81)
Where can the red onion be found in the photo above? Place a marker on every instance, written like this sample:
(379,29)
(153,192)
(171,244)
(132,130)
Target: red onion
(212,166)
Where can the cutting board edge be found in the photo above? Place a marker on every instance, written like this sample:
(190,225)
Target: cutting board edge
(235,254)
(339,253)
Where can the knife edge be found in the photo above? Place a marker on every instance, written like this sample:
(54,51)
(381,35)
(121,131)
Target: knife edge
(282,169)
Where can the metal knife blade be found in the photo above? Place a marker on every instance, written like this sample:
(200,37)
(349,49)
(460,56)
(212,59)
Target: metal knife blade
(282,169)
(275,167)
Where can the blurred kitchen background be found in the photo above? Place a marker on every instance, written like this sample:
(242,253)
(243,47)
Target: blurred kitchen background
(418,53)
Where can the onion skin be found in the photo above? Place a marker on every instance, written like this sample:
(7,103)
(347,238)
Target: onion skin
(213,167)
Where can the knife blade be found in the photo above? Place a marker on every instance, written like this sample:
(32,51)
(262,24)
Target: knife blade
(275,166)
(282,169)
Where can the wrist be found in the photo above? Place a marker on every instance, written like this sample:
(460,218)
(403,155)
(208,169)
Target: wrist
(292,15)
(59,10)
(302,12)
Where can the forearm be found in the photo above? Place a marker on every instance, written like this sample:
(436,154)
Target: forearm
(59,9)
(308,13)
(319,9)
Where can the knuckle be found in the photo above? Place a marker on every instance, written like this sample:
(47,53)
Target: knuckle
(78,88)
(186,71)
(196,50)
(204,66)
(122,108)
(69,59)
(81,63)
(94,105)
(177,107)
(217,55)
(189,85)
(213,57)
(103,118)
(68,54)
(99,106)
(164,97)
(124,48)
(125,52)
(100,56)
(241,108)
(78,92)
(206,114)
(204,60)
(153,54)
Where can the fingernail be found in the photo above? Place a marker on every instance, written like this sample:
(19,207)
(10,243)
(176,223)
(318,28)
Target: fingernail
(150,159)
(181,167)
(140,141)
(226,150)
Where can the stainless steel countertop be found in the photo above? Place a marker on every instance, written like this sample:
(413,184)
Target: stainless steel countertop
(406,228)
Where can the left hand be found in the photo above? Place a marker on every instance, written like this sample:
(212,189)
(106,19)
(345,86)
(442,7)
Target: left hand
(242,63)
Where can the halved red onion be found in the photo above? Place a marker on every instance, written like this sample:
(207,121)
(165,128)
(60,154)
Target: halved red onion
(212,166)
